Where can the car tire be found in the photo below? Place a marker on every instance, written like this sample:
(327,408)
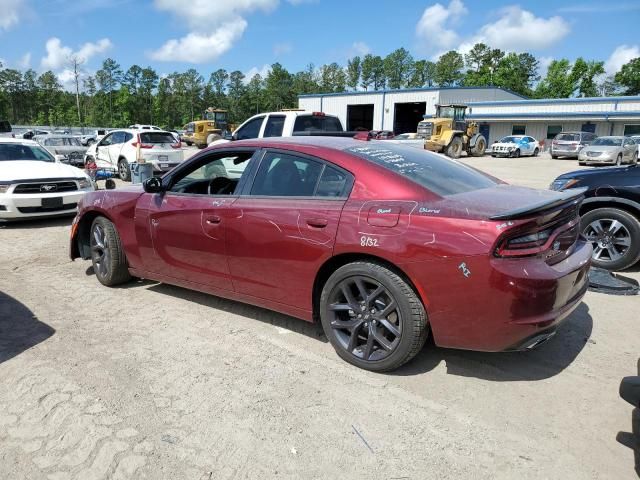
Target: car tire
(555,157)
(634,160)
(212,138)
(619,160)
(124,170)
(536,152)
(382,342)
(602,219)
(107,255)
(516,153)
(479,148)
(582,164)
(454,149)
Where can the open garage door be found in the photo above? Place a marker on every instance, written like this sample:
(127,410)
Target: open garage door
(360,117)
(407,116)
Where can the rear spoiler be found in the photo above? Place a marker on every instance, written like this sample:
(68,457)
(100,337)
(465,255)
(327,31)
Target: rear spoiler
(573,196)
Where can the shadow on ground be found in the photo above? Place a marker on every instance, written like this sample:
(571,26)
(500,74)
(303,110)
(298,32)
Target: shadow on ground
(19,328)
(546,361)
(38,223)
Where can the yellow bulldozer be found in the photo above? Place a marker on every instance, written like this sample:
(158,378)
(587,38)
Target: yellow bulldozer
(212,127)
(450,133)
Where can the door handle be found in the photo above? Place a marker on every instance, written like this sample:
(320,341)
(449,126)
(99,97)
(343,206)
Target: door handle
(212,219)
(317,222)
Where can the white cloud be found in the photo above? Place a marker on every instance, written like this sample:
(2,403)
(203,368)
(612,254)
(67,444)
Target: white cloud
(263,72)
(214,27)
(58,55)
(543,65)
(514,30)
(10,11)
(434,27)
(621,55)
(521,30)
(201,47)
(25,61)
(359,48)
(282,49)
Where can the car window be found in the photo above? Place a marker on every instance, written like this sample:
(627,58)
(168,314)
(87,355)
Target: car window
(333,183)
(17,151)
(436,173)
(250,129)
(531,139)
(274,126)
(117,138)
(157,137)
(72,141)
(216,174)
(608,141)
(286,175)
(127,137)
(107,140)
(309,123)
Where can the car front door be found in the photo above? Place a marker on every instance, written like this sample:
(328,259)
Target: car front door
(117,140)
(284,228)
(249,130)
(188,221)
(102,149)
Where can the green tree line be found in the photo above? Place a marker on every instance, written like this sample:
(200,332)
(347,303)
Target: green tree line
(114,97)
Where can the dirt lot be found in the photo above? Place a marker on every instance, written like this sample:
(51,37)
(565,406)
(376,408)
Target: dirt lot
(156,382)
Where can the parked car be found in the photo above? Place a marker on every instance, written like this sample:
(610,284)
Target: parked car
(62,131)
(610,213)
(636,138)
(65,148)
(6,130)
(614,150)
(30,134)
(569,144)
(382,243)
(119,150)
(515,146)
(33,184)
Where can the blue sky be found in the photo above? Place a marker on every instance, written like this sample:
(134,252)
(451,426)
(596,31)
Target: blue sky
(248,35)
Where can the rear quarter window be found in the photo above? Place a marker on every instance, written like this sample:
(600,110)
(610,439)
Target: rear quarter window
(437,174)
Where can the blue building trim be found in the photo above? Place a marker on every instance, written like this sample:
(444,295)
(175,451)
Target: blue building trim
(604,115)
(407,90)
(615,100)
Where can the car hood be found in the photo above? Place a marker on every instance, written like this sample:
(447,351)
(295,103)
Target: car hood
(602,171)
(501,201)
(601,148)
(32,169)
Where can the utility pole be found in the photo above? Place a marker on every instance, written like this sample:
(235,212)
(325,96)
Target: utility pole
(75,63)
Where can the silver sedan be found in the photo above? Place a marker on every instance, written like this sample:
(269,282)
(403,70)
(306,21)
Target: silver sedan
(614,150)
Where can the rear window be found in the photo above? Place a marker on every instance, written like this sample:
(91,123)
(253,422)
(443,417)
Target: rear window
(5,127)
(438,174)
(309,123)
(157,137)
(569,137)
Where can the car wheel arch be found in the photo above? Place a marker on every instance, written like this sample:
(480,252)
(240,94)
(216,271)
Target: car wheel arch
(337,261)
(84,231)
(624,204)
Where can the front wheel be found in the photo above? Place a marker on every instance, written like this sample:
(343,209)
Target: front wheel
(454,149)
(615,236)
(124,170)
(372,317)
(107,255)
(479,148)
(555,157)
(536,152)
(516,153)
(619,160)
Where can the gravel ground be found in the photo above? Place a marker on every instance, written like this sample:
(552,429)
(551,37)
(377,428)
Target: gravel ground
(152,381)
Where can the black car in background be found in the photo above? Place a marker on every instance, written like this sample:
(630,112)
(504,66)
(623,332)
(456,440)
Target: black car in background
(610,213)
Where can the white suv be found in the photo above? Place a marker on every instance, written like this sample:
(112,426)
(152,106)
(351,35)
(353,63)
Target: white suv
(139,126)
(119,149)
(34,184)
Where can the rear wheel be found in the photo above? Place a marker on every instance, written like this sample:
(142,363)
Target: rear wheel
(107,255)
(615,236)
(372,317)
(124,171)
(454,149)
(479,148)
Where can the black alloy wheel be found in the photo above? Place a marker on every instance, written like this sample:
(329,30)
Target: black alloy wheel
(615,237)
(107,255)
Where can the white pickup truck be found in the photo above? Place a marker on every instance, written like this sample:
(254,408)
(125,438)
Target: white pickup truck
(287,123)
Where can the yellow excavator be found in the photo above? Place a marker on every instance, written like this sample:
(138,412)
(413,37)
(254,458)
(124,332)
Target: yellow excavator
(212,127)
(450,133)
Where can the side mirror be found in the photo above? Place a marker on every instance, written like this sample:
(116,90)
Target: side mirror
(153,185)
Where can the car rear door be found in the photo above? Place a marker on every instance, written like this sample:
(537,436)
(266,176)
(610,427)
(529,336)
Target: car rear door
(284,227)
(188,222)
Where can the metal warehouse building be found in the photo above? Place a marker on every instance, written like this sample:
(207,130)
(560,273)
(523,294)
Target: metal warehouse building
(499,112)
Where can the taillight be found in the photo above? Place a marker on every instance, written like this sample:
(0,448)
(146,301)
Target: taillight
(176,145)
(140,144)
(318,114)
(519,243)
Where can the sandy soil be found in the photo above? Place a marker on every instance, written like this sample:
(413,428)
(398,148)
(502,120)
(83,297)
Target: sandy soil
(152,381)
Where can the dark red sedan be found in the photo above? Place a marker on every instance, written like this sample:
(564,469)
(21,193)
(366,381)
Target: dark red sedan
(381,243)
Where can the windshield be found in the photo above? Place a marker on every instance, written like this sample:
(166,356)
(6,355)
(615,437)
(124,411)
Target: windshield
(191,128)
(157,137)
(608,141)
(510,139)
(221,116)
(17,151)
(309,123)
(437,174)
